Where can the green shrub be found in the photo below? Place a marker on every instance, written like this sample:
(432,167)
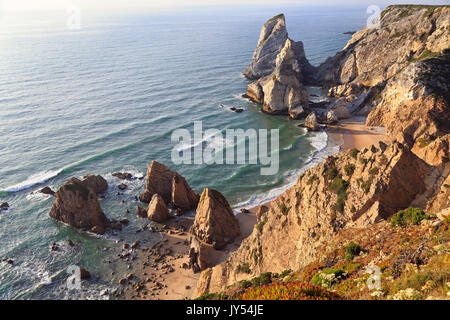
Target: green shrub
(354,153)
(352,250)
(263,279)
(331,173)
(410,216)
(365,185)
(244,268)
(327,277)
(374,171)
(312,179)
(339,185)
(284,209)
(349,169)
(213,296)
(260,225)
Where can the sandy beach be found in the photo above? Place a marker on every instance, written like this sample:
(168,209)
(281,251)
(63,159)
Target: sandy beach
(162,271)
(355,134)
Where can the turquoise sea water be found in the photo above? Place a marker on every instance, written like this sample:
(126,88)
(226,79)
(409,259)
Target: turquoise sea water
(107,98)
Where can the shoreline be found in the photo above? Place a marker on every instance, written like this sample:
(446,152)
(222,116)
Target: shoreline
(164,274)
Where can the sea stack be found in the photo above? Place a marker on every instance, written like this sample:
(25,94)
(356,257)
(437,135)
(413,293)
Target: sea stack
(215,222)
(77,205)
(277,68)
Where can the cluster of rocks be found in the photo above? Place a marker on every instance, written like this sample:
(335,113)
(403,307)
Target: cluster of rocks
(164,187)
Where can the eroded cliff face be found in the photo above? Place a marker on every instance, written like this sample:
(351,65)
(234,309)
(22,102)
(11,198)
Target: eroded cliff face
(350,190)
(398,76)
(373,56)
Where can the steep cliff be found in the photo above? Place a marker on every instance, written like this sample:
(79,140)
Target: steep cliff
(351,190)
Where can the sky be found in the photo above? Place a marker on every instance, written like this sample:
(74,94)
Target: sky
(41,5)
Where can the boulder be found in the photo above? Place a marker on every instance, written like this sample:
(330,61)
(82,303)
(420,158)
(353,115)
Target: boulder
(200,255)
(296,113)
(311,122)
(97,183)
(183,197)
(158,180)
(332,117)
(47,190)
(84,274)
(157,209)
(4,206)
(78,206)
(215,222)
(340,107)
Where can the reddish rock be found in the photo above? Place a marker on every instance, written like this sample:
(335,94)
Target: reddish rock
(157,209)
(158,180)
(78,206)
(183,197)
(97,183)
(215,222)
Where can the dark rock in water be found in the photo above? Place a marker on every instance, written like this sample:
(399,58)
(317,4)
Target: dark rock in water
(245,211)
(4,206)
(141,212)
(116,226)
(124,221)
(350,32)
(239,110)
(10,261)
(47,190)
(70,243)
(122,186)
(78,206)
(97,183)
(84,274)
(123,176)
(54,247)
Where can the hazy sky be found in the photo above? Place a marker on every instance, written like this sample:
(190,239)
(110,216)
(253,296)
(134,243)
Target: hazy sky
(8,5)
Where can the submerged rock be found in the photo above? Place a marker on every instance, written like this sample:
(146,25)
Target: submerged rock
(4,206)
(215,222)
(141,212)
(96,182)
(157,209)
(78,206)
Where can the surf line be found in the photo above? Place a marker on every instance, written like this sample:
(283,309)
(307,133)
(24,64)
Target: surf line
(211,147)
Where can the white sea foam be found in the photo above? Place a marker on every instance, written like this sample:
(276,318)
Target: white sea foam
(38,178)
(323,148)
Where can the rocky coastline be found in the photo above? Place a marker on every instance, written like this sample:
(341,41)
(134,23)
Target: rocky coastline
(396,78)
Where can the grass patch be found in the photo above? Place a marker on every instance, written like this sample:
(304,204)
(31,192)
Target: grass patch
(260,225)
(331,173)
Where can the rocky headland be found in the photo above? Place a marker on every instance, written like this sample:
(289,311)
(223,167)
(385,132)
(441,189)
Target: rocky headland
(397,77)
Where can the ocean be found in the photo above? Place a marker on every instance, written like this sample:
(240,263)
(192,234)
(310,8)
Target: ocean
(107,97)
